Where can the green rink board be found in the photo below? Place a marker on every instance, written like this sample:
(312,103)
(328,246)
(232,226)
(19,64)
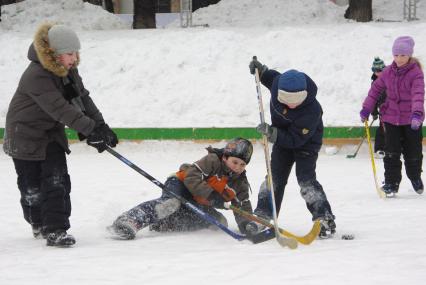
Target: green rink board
(213,133)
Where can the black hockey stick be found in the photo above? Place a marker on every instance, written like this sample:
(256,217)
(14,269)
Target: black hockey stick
(360,143)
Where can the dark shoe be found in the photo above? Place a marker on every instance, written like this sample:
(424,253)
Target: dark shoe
(390,189)
(123,229)
(37,231)
(328,227)
(59,238)
(418,185)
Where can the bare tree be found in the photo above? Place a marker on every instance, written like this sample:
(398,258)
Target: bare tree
(144,14)
(94,2)
(109,6)
(360,10)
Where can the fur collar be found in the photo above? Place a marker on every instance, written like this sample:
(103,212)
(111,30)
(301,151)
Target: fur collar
(46,55)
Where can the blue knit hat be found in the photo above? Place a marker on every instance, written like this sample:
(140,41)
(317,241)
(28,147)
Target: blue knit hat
(292,81)
(292,87)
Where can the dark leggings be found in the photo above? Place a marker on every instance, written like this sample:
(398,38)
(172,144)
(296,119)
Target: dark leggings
(402,139)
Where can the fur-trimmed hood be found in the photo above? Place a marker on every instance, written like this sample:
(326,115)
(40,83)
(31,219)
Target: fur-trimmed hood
(40,51)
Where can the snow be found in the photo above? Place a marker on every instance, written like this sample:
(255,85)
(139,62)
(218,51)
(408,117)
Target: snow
(388,247)
(168,77)
(26,15)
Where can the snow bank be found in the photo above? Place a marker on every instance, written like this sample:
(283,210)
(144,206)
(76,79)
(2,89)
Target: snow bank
(27,15)
(199,77)
(279,13)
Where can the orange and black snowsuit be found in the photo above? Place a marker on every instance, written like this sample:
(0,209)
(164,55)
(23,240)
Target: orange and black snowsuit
(195,182)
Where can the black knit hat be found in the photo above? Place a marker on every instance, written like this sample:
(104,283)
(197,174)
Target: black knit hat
(378,65)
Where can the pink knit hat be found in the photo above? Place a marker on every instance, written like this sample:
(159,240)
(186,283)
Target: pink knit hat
(403,46)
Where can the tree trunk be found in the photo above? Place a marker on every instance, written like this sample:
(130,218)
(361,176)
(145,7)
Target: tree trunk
(144,14)
(109,6)
(94,2)
(197,4)
(360,10)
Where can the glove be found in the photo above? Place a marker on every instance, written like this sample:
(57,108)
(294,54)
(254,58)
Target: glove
(256,64)
(364,114)
(253,228)
(216,200)
(229,194)
(96,140)
(416,122)
(109,136)
(271,133)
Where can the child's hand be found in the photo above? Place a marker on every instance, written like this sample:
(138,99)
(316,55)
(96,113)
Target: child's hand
(415,124)
(229,194)
(216,200)
(364,114)
(270,132)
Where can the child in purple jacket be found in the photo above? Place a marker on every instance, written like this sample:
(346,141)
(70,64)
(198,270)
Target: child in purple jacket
(402,114)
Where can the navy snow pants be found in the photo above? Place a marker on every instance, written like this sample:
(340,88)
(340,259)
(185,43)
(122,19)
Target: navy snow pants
(282,161)
(45,188)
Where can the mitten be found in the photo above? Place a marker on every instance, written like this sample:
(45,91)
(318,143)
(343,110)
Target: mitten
(256,64)
(364,114)
(416,122)
(271,133)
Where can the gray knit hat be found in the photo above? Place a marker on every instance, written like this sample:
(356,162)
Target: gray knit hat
(63,40)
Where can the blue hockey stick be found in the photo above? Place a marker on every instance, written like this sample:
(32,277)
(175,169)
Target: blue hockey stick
(184,201)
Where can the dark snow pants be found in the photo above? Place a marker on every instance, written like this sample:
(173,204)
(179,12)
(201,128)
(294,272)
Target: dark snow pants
(168,213)
(402,139)
(282,161)
(379,139)
(45,190)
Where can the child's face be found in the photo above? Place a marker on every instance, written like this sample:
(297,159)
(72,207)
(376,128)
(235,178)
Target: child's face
(67,59)
(292,106)
(401,60)
(237,165)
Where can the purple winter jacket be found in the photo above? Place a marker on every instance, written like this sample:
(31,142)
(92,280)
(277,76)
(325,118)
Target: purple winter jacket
(405,88)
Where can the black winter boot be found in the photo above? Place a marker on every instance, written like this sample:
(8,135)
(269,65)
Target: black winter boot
(328,227)
(59,238)
(418,185)
(390,189)
(123,229)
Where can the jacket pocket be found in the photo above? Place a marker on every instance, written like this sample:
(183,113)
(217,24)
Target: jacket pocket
(28,132)
(28,141)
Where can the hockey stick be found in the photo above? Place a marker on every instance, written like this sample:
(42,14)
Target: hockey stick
(283,241)
(306,239)
(360,144)
(373,164)
(184,201)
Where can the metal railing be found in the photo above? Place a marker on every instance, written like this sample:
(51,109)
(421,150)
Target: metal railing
(410,9)
(185,13)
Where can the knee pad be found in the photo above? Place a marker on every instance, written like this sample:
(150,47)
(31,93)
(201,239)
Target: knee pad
(61,180)
(166,208)
(392,155)
(32,196)
(311,191)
